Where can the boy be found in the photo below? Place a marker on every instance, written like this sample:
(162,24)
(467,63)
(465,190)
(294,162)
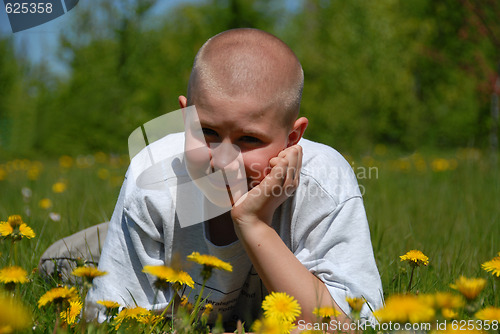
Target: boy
(299,227)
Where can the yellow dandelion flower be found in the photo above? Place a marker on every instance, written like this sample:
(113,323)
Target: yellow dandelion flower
(208,308)
(72,312)
(5,229)
(490,313)
(183,278)
(16,229)
(65,161)
(268,326)
(15,220)
(446,300)
(470,288)
(210,261)
(45,203)
(286,327)
(150,319)
(161,272)
(133,312)
(58,295)
(88,272)
(415,258)
(127,314)
(103,173)
(449,314)
(257,326)
(33,173)
(440,165)
(356,303)
(493,266)
(326,312)
(13,274)
(281,306)
(405,308)
(184,301)
(13,315)
(100,157)
(169,275)
(108,304)
(26,231)
(59,187)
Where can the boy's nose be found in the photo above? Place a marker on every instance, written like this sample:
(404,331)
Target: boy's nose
(225,156)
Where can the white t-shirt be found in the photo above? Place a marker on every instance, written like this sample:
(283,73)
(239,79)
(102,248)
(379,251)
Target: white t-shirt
(324,224)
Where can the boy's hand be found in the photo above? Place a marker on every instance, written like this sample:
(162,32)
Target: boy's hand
(259,204)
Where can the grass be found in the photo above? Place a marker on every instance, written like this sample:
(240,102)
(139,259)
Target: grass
(451,214)
(445,205)
(92,187)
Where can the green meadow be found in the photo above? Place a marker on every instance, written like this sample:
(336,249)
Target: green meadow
(445,205)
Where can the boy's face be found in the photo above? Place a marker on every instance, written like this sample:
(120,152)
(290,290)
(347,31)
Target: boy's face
(234,125)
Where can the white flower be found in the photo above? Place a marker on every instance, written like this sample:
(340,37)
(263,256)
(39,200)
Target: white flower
(26,193)
(54,216)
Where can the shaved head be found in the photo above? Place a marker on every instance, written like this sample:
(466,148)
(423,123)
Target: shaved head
(249,63)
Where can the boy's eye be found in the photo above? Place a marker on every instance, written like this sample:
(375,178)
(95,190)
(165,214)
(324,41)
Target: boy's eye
(250,139)
(209,132)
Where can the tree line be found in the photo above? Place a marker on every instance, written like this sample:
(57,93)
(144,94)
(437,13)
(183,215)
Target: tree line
(408,74)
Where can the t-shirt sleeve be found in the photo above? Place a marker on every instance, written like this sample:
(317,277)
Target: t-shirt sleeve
(134,239)
(338,251)
(329,230)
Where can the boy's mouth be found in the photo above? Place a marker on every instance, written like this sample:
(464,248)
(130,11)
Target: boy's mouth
(224,183)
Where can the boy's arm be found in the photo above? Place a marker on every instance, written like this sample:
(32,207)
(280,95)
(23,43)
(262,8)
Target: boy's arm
(276,265)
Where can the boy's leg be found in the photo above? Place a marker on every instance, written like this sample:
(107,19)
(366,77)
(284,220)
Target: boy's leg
(82,247)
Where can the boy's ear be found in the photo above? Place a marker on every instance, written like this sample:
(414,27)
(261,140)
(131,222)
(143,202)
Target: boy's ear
(182,101)
(299,126)
(183,104)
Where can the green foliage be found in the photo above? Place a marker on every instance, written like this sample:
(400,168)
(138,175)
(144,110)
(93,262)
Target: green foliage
(406,74)
(359,85)
(125,73)
(392,72)
(12,101)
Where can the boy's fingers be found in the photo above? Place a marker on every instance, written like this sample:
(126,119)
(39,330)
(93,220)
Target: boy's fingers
(285,171)
(279,169)
(299,163)
(287,167)
(294,155)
